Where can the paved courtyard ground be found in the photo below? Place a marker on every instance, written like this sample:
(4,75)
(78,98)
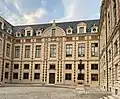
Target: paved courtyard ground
(50,93)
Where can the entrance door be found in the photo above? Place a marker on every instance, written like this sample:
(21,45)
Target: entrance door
(51,78)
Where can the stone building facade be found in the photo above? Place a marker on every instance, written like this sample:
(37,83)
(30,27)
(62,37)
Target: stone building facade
(110,46)
(50,53)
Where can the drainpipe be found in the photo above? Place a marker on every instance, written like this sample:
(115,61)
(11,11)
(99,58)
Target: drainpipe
(106,47)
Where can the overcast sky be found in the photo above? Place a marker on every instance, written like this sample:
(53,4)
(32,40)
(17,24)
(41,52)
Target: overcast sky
(42,11)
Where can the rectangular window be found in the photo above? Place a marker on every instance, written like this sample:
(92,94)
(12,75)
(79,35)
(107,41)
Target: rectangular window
(6,75)
(94,49)
(53,32)
(80,76)
(25,75)
(17,51)
(116,47)
(52,66)
(52,50)
(38,51)
(7,65)
(0,25)
(27,51)
(81,50)
(94,77)
(68,76)
(8,50)
(69,50)
(16,66)
(81,66)
(37,66)
(15,75)
(28,33)
(36,75)
(0,47)
(81,30)
(94,66)
(116,72)
(26,66)
(69,66)
(110,55)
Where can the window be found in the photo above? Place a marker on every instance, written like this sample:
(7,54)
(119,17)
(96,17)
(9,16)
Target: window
(53,32)
(26,66)
(94,49)
(94,77)
(6,75)
(114,10)
(7,65)
(8,50)
(0,47)
(37,66)
(116,72)
(94,66)
(17,51)
(27,51)
(68,66)
(16,66)
(109,55)
(81,49)
(81,29)
(25,75)
(68,76)
(15,75)
(116,47)
(80,76)
(52,66)
(69,50)
(28,33)
(0,25)
(52,50)
(81,66)
(38,51)
(110,74)
(36,75)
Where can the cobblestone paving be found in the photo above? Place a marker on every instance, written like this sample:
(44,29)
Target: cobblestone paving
(48,93)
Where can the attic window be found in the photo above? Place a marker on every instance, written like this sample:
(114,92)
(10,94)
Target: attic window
(81,29)
(94,29)
(28,33)
(53,32)
(1,25)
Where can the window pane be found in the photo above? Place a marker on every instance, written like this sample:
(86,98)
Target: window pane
(81,30)
(27,51)
(8,50)
(52,50)
(38,51)
(81,49)
(69,50)
(17,51)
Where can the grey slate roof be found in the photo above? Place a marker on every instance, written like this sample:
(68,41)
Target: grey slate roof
(63,25)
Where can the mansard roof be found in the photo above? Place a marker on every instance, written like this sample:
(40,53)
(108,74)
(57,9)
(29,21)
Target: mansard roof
(63,25)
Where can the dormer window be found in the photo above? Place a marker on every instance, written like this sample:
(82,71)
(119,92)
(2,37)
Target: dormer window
(94,29)
(9,30)
(69,30)
(18,34)
(81,27)
(28,33)
(53,32)
(38,32)
(0,25)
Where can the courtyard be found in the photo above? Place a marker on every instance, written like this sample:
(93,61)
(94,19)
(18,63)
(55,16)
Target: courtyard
(50,93)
